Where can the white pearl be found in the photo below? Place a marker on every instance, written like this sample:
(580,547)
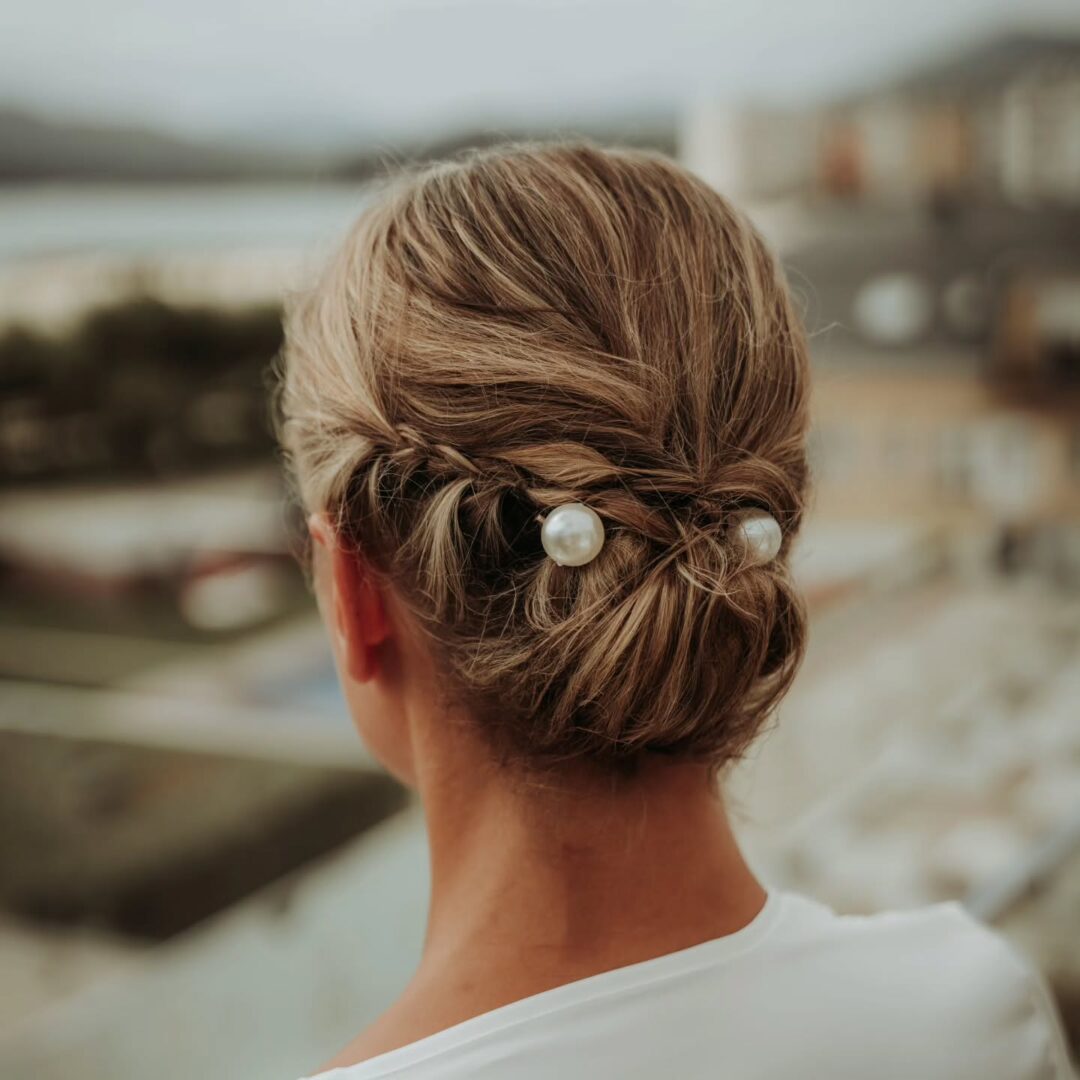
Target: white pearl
(760,534)
(572,534)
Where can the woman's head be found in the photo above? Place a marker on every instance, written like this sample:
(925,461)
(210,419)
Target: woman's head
(539,325)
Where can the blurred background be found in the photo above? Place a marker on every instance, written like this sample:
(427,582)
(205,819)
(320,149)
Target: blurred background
(201,873)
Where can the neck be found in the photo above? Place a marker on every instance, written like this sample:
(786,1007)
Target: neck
(534,885)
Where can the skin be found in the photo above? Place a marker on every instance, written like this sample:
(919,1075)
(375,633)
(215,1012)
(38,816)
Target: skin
(536,881)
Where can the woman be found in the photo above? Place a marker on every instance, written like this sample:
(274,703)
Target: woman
(547,412)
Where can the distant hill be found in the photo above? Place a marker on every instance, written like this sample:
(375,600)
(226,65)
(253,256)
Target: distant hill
(656,132)
(38,148)
(34,147)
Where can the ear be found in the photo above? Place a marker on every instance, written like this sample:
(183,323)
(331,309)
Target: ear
(358,616)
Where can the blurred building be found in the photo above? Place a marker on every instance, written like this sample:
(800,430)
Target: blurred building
(947,365)
(938,262)
(752,152)
(1000,121)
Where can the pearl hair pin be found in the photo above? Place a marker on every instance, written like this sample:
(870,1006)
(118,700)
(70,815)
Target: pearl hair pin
(572,534)
(759,534)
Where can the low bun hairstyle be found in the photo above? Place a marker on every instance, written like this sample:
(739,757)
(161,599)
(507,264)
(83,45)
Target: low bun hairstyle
(537,325)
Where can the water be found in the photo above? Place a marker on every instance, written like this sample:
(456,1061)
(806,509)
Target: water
(63,219)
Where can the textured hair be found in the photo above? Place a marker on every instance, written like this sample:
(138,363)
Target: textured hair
(543,324)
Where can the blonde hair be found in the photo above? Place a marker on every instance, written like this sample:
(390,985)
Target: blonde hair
(537,325)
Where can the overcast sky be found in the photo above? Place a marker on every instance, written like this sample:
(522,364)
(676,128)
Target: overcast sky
(305,68)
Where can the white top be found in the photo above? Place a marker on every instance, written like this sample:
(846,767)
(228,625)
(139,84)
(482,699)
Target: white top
(799,992)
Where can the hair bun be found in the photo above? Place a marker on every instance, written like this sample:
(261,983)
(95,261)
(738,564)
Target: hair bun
(597,339)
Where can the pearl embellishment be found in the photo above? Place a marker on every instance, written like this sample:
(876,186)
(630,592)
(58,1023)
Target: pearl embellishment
(572,534)
(759,534)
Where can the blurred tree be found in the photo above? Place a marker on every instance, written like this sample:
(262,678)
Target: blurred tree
(161,388)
